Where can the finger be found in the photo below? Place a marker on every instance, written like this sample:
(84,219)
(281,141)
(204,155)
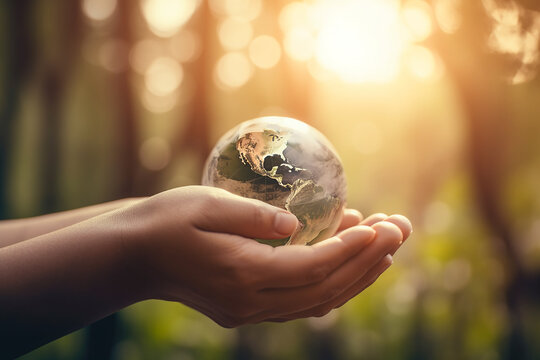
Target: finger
(290,300)
(373,219)
(295,265)
(397,233)
(352,291)
(224,212)
(403,223)
(351,217)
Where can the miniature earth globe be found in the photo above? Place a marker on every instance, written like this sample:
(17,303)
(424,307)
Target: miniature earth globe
(288,164)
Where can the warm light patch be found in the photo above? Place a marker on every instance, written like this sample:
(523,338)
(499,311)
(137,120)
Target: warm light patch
(416,15)
(235,33)
(163,76)
(159,104)
(155,153)
(299,44)
(248,10)
(165,17)
(318,72)
(423,63)
(233,70)
(366,137)
(296,15)
(265,52)
(507,37)
(113,55)
(438,218)
(448,15)
(143,53)
(185,46)
(98,10)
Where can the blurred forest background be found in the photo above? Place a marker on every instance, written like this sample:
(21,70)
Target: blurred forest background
(434,107)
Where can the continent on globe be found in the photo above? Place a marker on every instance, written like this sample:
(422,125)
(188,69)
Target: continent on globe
(285,163)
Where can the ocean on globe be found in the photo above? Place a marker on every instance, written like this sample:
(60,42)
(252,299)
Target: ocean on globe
(288,164)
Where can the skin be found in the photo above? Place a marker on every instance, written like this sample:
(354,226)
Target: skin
(192,245)
(14,231)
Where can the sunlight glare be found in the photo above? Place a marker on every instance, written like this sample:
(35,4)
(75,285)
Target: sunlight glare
(165,17)
(357,40)
(361,40)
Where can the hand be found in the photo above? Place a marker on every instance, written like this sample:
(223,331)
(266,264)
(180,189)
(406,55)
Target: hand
(191,245)
(194,245)
(352,218)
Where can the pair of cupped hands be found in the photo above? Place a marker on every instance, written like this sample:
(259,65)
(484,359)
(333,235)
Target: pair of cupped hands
(195,246)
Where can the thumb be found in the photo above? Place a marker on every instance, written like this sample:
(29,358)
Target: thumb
(232,214)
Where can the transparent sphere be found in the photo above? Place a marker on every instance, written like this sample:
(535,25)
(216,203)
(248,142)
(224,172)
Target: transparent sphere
(285,163)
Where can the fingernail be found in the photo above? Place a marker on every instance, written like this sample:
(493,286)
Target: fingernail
(389,259)
(285,223)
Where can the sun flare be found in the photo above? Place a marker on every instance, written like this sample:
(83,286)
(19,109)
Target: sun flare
(358,40)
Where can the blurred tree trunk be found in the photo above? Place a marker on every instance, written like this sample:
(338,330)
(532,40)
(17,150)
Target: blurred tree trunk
(102,336)
(323,344)
(55,80)
(477,76)
(196,135)
(485,102)
(127,127)
(530,4)
(18,57)
(420,340)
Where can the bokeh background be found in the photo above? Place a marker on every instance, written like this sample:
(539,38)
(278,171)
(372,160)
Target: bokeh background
(434,107)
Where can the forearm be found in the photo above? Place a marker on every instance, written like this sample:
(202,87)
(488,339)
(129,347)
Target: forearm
(14,231)
(62,281)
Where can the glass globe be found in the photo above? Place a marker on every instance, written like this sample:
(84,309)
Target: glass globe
(285,163)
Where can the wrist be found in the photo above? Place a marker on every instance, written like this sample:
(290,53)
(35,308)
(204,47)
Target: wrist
(133,266)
